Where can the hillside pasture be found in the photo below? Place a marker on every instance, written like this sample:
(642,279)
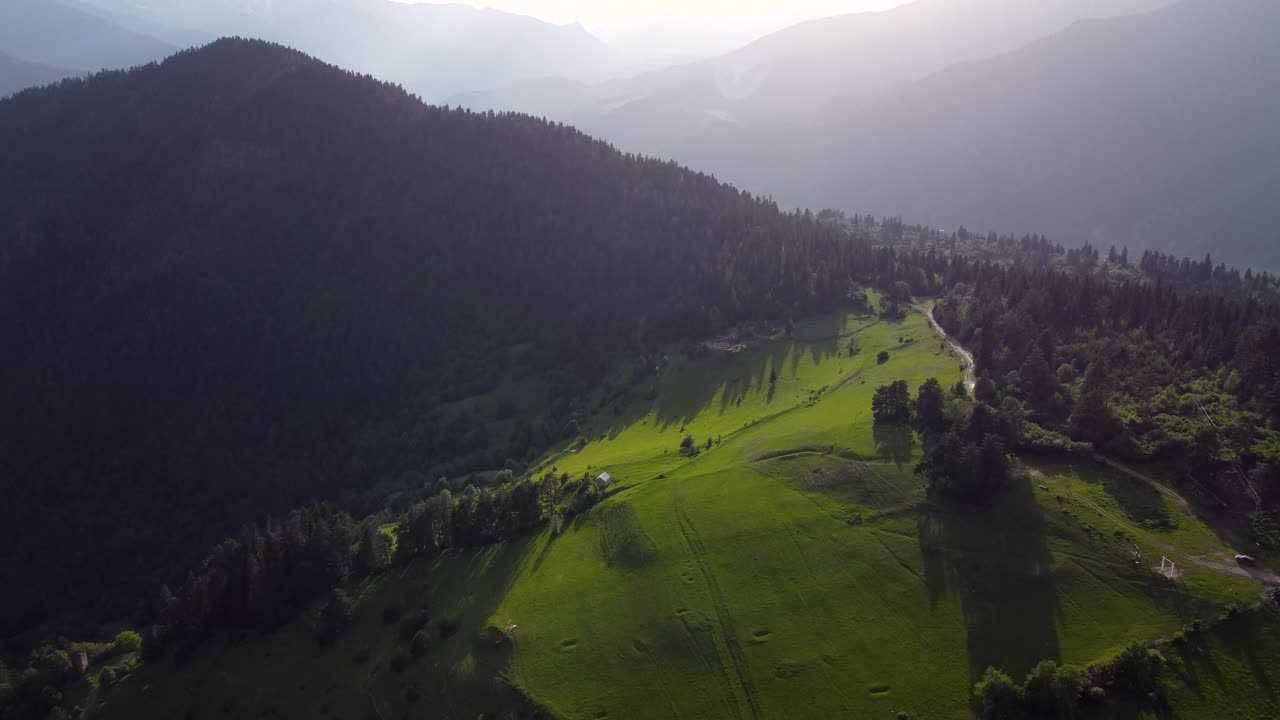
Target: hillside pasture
(793,569)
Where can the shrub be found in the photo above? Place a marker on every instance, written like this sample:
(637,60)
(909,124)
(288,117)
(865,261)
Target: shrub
(1068,685)
(998,697)
(107,677)
(447,627)
(391,613)
(412,623)
(882,357)
(126,642)
(399,660)
(494,636)
(1038,439)
(1136,667)
(334,617)
(1096,694)
(51,697)
(689,446)
(1264,528)
(52,666)
(420,644)
(1039,690)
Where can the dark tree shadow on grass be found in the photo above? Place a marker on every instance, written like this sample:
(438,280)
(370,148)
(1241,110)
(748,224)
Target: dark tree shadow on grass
(820,339)
(996,560)
(1196,660)
(1238,635)
(680,403)
(467,586)
(894,442)
(1145,504)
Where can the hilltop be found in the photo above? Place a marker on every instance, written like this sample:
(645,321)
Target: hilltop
(274,276)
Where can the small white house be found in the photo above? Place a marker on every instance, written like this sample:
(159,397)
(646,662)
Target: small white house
(603,481)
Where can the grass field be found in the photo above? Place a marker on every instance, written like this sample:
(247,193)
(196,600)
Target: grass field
(791,570)
(1230,671)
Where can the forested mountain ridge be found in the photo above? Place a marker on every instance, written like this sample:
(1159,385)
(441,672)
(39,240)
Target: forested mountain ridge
(433,49)
(271,273)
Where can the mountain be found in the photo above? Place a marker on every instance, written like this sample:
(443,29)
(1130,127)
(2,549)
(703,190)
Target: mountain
(16,75)
(52,33)
(1152,131)
(134,18)
(990,113)
(275,276)
(790,75)
(433,50)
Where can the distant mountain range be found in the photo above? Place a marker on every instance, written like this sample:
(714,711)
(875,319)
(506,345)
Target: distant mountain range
(432,50)
(60,35)
(1153,131)
(16,74)
(791,75)
(1139,123)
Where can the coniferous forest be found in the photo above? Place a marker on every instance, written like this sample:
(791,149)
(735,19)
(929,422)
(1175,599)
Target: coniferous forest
(242,280)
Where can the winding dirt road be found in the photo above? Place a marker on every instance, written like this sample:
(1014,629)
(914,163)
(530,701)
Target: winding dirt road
(966,357)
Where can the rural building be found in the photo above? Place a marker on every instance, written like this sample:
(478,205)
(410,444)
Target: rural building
(79,661)
(603,481)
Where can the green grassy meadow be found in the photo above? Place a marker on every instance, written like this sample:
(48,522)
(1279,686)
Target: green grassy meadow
(792,570)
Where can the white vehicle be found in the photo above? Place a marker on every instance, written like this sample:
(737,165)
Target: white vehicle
(1244,559)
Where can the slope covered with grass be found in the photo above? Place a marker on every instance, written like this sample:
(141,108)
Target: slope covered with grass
(794,569)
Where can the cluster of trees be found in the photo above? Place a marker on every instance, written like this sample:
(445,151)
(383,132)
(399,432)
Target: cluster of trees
(264,577)
(473,519)
(965,443)
(261,579)
(689,447)
(1190,277)
(892,403)
(37,689)
(1132,368)
(1058,691)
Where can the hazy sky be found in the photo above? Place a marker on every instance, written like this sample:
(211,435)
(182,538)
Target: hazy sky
(599,13)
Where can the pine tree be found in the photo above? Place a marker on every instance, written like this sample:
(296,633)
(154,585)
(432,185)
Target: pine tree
(1091,419)
(930,407)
